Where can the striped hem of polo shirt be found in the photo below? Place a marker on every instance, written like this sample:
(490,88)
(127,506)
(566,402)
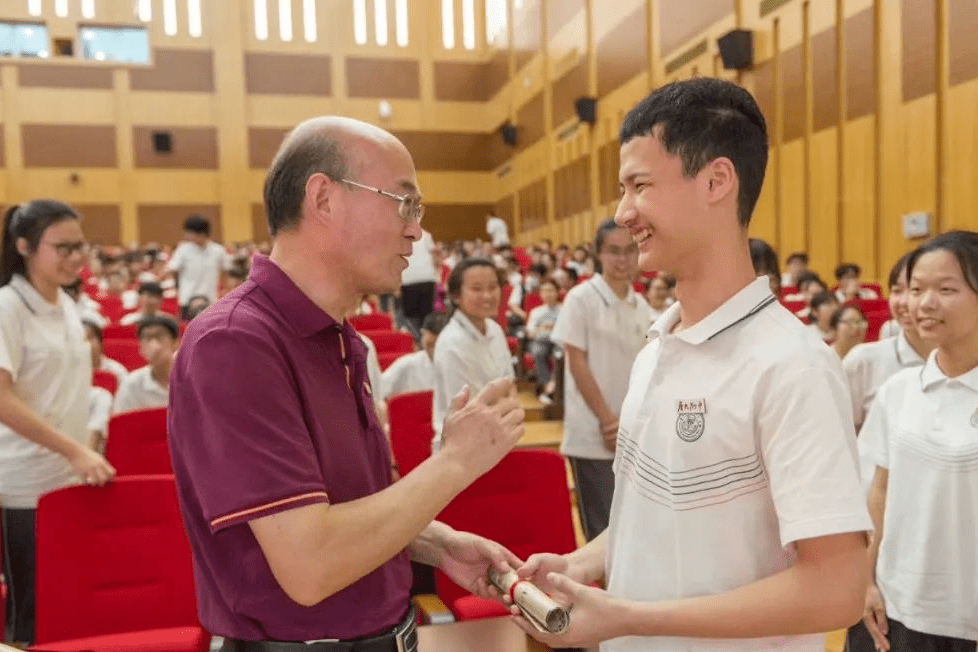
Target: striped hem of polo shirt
(266,509)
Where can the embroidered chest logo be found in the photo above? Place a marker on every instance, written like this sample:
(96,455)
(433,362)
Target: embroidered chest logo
(690,419)
(974,418)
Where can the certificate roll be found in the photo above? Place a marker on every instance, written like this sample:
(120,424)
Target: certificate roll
(538,607)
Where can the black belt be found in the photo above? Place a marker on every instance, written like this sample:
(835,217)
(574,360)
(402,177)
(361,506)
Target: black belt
(402,638)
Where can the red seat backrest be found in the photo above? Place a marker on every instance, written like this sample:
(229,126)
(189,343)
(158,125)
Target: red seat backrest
(523,503)
(390,341)
(112,559)
(505,293)
(119,332)
(794,306)
(105,380)
(377,321)
(111,306)
(387,358)
(532,301)
(125,351)
(411,429)
(875,320)
(787,290)
(136,443)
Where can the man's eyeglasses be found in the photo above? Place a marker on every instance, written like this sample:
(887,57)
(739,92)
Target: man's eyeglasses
(66,249)
(409,207)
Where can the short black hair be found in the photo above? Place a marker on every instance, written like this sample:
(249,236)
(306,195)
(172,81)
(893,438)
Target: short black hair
(808,277)
(95,329)
(600,235)
(822,298)
(701,120)
(151,288)
(764,258)
(537,268)
(169,323)
(198,224)
(837,315)
(797,255)
(897,272)
(845,268)
(963,245)
(434,322)
(237,272)
(572,273)
(455,279)
(29,221)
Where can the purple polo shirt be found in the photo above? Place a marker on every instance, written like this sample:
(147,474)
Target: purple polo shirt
(270,410)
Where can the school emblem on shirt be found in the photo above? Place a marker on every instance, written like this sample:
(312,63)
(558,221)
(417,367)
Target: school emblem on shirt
(691,419)
(974,418)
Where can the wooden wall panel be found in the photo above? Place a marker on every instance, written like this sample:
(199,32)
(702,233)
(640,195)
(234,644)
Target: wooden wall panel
(383,78)
(824,237)
(567,89)
(176,70)
(529,121)
(287,74)
(463,81)
(681,20)
(263,144)
(259,224)
(860,72)
(825,90)
(793,93)
(504,209)
(918,34)
(859,198)
(792,209)
(3,146)
(448,222)
(449,151)
(64,76)
(962,173)
(963,25)
(163,223)
(532,202)
(560,13)
(101,223)
(623,52)
(763,222)
(527,32)
(66,146)
(763,90)
(608,160)
(192,148)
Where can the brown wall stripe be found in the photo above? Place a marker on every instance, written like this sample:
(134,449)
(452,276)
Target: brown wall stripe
(457,221)
(163,223)
(259,224)
(64,76)
(101,223)
(463,81)
(919,48)
(383,78)
(681,20)
(450,151)
(567,89)
(860,72)
(263,143)
(764,93)
(65,146)
(287,74)
(192,148)
(826,92)
(793,86)
(623,52)
(529,121)
(176,70)
(963,43)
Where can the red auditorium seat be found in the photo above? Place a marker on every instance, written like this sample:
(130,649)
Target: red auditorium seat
(390,341)
(125,351)
(105,380)
(136,443)
(377,321)
(528,491)
(411,429)
(387,358)
(119,332)
(114,571)
(532,301)
(875,320)
(111,306)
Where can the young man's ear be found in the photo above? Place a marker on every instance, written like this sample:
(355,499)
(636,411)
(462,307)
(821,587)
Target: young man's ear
(721,179)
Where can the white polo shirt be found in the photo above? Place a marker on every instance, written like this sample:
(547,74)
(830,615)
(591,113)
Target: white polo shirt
(414,372)
(923,428)
(421,266)
(611,331)
(139,391)
(464,356)
(99,409)
(43,346)
(498,231)
(114,367)
(736,440)
(199,269)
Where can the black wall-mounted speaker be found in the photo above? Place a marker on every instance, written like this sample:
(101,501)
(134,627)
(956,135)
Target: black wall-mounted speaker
(587,109)
(508,132)
(737,49)
(162,141)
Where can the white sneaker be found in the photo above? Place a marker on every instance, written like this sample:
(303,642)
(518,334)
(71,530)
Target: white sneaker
(546,400)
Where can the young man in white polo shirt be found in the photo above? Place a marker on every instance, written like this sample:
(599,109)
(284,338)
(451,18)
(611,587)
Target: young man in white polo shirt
(738,522)
(149,386)
(198,262)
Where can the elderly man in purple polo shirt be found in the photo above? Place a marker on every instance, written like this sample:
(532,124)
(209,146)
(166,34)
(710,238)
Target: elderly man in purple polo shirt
(283,472)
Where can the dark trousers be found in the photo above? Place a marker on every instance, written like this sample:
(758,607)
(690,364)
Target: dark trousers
(905,640)
(19,561)
(417,302)
(595,484)
(543,350)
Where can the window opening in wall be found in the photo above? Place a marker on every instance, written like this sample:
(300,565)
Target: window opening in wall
(194,27)
(88,8)
(468,24)
(144,10)
(261,19)
(495,21)
(23,40)
(380,21)
(170,17)
(61,8)
(360,21)
(34,7)
(401,21)
(126,44)
(309,20)
(285,19)
(448,24)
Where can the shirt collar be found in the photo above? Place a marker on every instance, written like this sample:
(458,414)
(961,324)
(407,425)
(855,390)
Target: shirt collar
(37,304)
(608,295)
(299,311)
(931,375)
(468,326)
(906,355)
(746,303)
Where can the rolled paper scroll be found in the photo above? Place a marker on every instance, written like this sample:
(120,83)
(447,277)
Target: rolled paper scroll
(535,605)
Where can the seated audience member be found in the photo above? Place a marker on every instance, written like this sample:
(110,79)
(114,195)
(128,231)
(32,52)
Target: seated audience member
(659,294)
(795,266)
(101,362)
(118,285)
(88,308)
(849,327)
(472,349)
(765,262)
(539,325)
(234,277)
(809,284)
(150,304)
(195,306)
(581,262)
(822,306)
(415,372)
(148,387)
(850,285)
(565,279)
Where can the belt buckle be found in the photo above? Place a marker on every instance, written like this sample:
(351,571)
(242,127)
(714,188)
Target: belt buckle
(403,632)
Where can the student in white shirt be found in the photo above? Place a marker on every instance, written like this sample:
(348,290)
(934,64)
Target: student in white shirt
(415,372)
(848,325)
(472,349)
(658,295)
(150,304)
(148,387)
(601,326)
(418,282)
(198,262)
(45,375)
(100,361)
(922,434)
(850,285)
(497,229)
(539,326)
(822,306)
(738,515)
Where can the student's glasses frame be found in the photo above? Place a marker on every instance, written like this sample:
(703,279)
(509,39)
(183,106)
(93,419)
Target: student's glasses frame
(66,249)
(409,206)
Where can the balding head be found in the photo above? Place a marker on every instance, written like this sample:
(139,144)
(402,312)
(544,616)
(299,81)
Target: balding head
(333,145)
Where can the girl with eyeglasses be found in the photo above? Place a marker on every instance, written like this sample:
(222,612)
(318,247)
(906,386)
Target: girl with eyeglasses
(45,376)
(848,326)
(922,435)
